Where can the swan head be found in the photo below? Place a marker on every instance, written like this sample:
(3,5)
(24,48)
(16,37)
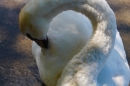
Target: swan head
(34,27)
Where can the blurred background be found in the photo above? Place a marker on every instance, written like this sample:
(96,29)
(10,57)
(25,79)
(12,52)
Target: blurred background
(17,66)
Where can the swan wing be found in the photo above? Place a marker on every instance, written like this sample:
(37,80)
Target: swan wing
(116,72)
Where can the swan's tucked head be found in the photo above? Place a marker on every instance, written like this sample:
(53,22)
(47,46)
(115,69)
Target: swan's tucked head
(34,27)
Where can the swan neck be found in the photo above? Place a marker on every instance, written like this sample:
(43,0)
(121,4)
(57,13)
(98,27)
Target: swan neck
(84,67)
(96,10)
(81,6)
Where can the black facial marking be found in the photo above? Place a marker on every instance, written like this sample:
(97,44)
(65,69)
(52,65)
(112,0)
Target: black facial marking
(45,43)
(29,36)
(43,84)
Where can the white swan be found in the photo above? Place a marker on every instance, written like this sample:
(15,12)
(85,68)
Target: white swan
(63,52)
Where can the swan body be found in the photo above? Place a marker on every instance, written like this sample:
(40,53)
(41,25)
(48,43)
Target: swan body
(81,52)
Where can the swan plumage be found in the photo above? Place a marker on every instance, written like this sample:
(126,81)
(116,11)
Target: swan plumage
(68,34)
(116,71)
(71,40)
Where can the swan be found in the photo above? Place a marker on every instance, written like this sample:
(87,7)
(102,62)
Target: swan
(75,42)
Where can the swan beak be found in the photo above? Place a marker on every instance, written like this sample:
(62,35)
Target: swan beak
(42,43)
